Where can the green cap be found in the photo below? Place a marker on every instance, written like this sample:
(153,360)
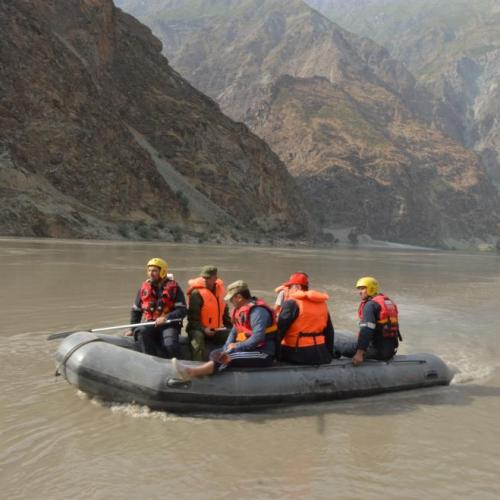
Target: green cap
(208,271)
(234,288)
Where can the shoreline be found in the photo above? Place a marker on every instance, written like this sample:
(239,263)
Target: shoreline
(365,242)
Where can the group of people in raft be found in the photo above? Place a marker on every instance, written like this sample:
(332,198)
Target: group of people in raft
(297,330)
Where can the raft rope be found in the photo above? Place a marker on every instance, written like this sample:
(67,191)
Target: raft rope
(70,353)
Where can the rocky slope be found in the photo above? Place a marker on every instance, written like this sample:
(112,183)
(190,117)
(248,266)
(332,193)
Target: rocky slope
(100,137)
(453,47)
(351,123)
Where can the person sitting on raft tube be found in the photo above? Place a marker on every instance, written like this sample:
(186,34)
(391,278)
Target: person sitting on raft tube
(378,323)
(304,324)
(251,341)
(159,299)
(208,315)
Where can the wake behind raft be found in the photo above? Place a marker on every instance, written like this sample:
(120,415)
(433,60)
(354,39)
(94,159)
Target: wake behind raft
(110,368)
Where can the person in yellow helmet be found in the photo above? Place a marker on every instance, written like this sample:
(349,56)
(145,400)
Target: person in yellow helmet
(159,299)
(378,323)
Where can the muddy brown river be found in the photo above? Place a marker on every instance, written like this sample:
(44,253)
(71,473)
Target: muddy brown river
(56,443)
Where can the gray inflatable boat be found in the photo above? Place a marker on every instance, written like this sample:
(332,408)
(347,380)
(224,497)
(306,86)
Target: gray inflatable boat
(110,368)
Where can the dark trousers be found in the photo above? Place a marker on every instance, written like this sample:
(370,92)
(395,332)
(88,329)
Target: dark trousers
(312,355)
(162,341)
(380,352)
(243,359)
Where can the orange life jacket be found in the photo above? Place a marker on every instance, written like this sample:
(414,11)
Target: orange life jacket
(241,320)
(388,321)
(307,329)
(213,307)
(154,306)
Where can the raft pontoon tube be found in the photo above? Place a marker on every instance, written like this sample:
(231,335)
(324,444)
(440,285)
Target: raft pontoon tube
(110,368)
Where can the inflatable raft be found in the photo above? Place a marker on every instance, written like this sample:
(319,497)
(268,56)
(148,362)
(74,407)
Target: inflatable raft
(110,368)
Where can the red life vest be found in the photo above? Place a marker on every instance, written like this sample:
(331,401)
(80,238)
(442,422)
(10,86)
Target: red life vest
(241,320)
(212,311)
(388,321)
(307,329)
(154,306)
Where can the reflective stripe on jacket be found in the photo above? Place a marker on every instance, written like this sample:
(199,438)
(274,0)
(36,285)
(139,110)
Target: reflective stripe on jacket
(388,320)
(212,311)
(307,329)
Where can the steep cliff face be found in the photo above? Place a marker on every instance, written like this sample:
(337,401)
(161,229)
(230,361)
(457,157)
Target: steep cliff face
(232,50)
(399,182)
(350,122)
(453,48)
(100,137)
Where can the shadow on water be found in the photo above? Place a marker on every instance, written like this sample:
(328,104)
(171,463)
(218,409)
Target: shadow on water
(370,406)
(389,404)
(381,405)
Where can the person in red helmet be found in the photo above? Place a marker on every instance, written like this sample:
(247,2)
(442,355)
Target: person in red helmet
(304,324)
(282,293)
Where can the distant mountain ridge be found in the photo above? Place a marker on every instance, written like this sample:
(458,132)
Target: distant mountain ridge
(100,137)
(452,46)
(350,123)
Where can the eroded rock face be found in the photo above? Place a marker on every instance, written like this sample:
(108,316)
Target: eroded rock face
(453,48)
(99,137)
(351,124)
(400,181)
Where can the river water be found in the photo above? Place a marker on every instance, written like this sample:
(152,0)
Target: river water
(435,443)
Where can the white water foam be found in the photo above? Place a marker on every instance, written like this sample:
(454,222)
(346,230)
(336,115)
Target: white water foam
(131,409)
(140,411)
(468,369)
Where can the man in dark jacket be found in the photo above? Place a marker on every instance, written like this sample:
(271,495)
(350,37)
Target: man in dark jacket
(159,299)
(379,334)
(251,342)
(208,314)
(304,324)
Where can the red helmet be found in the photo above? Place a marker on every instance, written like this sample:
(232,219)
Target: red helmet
(298,279)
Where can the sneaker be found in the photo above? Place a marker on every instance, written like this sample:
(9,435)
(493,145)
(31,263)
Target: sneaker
(180,369)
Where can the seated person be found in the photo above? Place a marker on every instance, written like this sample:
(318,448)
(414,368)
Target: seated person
(208,315)
(251,342)
(159,299)
(304,324)
(379,334)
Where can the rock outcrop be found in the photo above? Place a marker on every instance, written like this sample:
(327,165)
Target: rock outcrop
(454,49)
(351,123)
(100,137)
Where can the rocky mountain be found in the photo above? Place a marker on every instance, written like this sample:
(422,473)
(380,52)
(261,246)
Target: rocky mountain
(452,46)
(350,122)
(100,137)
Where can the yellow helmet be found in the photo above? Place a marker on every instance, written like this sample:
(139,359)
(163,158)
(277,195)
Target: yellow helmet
(370,283)
(160,264)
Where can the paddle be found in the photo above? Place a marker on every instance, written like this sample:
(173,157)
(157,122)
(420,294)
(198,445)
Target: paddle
(62,335)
